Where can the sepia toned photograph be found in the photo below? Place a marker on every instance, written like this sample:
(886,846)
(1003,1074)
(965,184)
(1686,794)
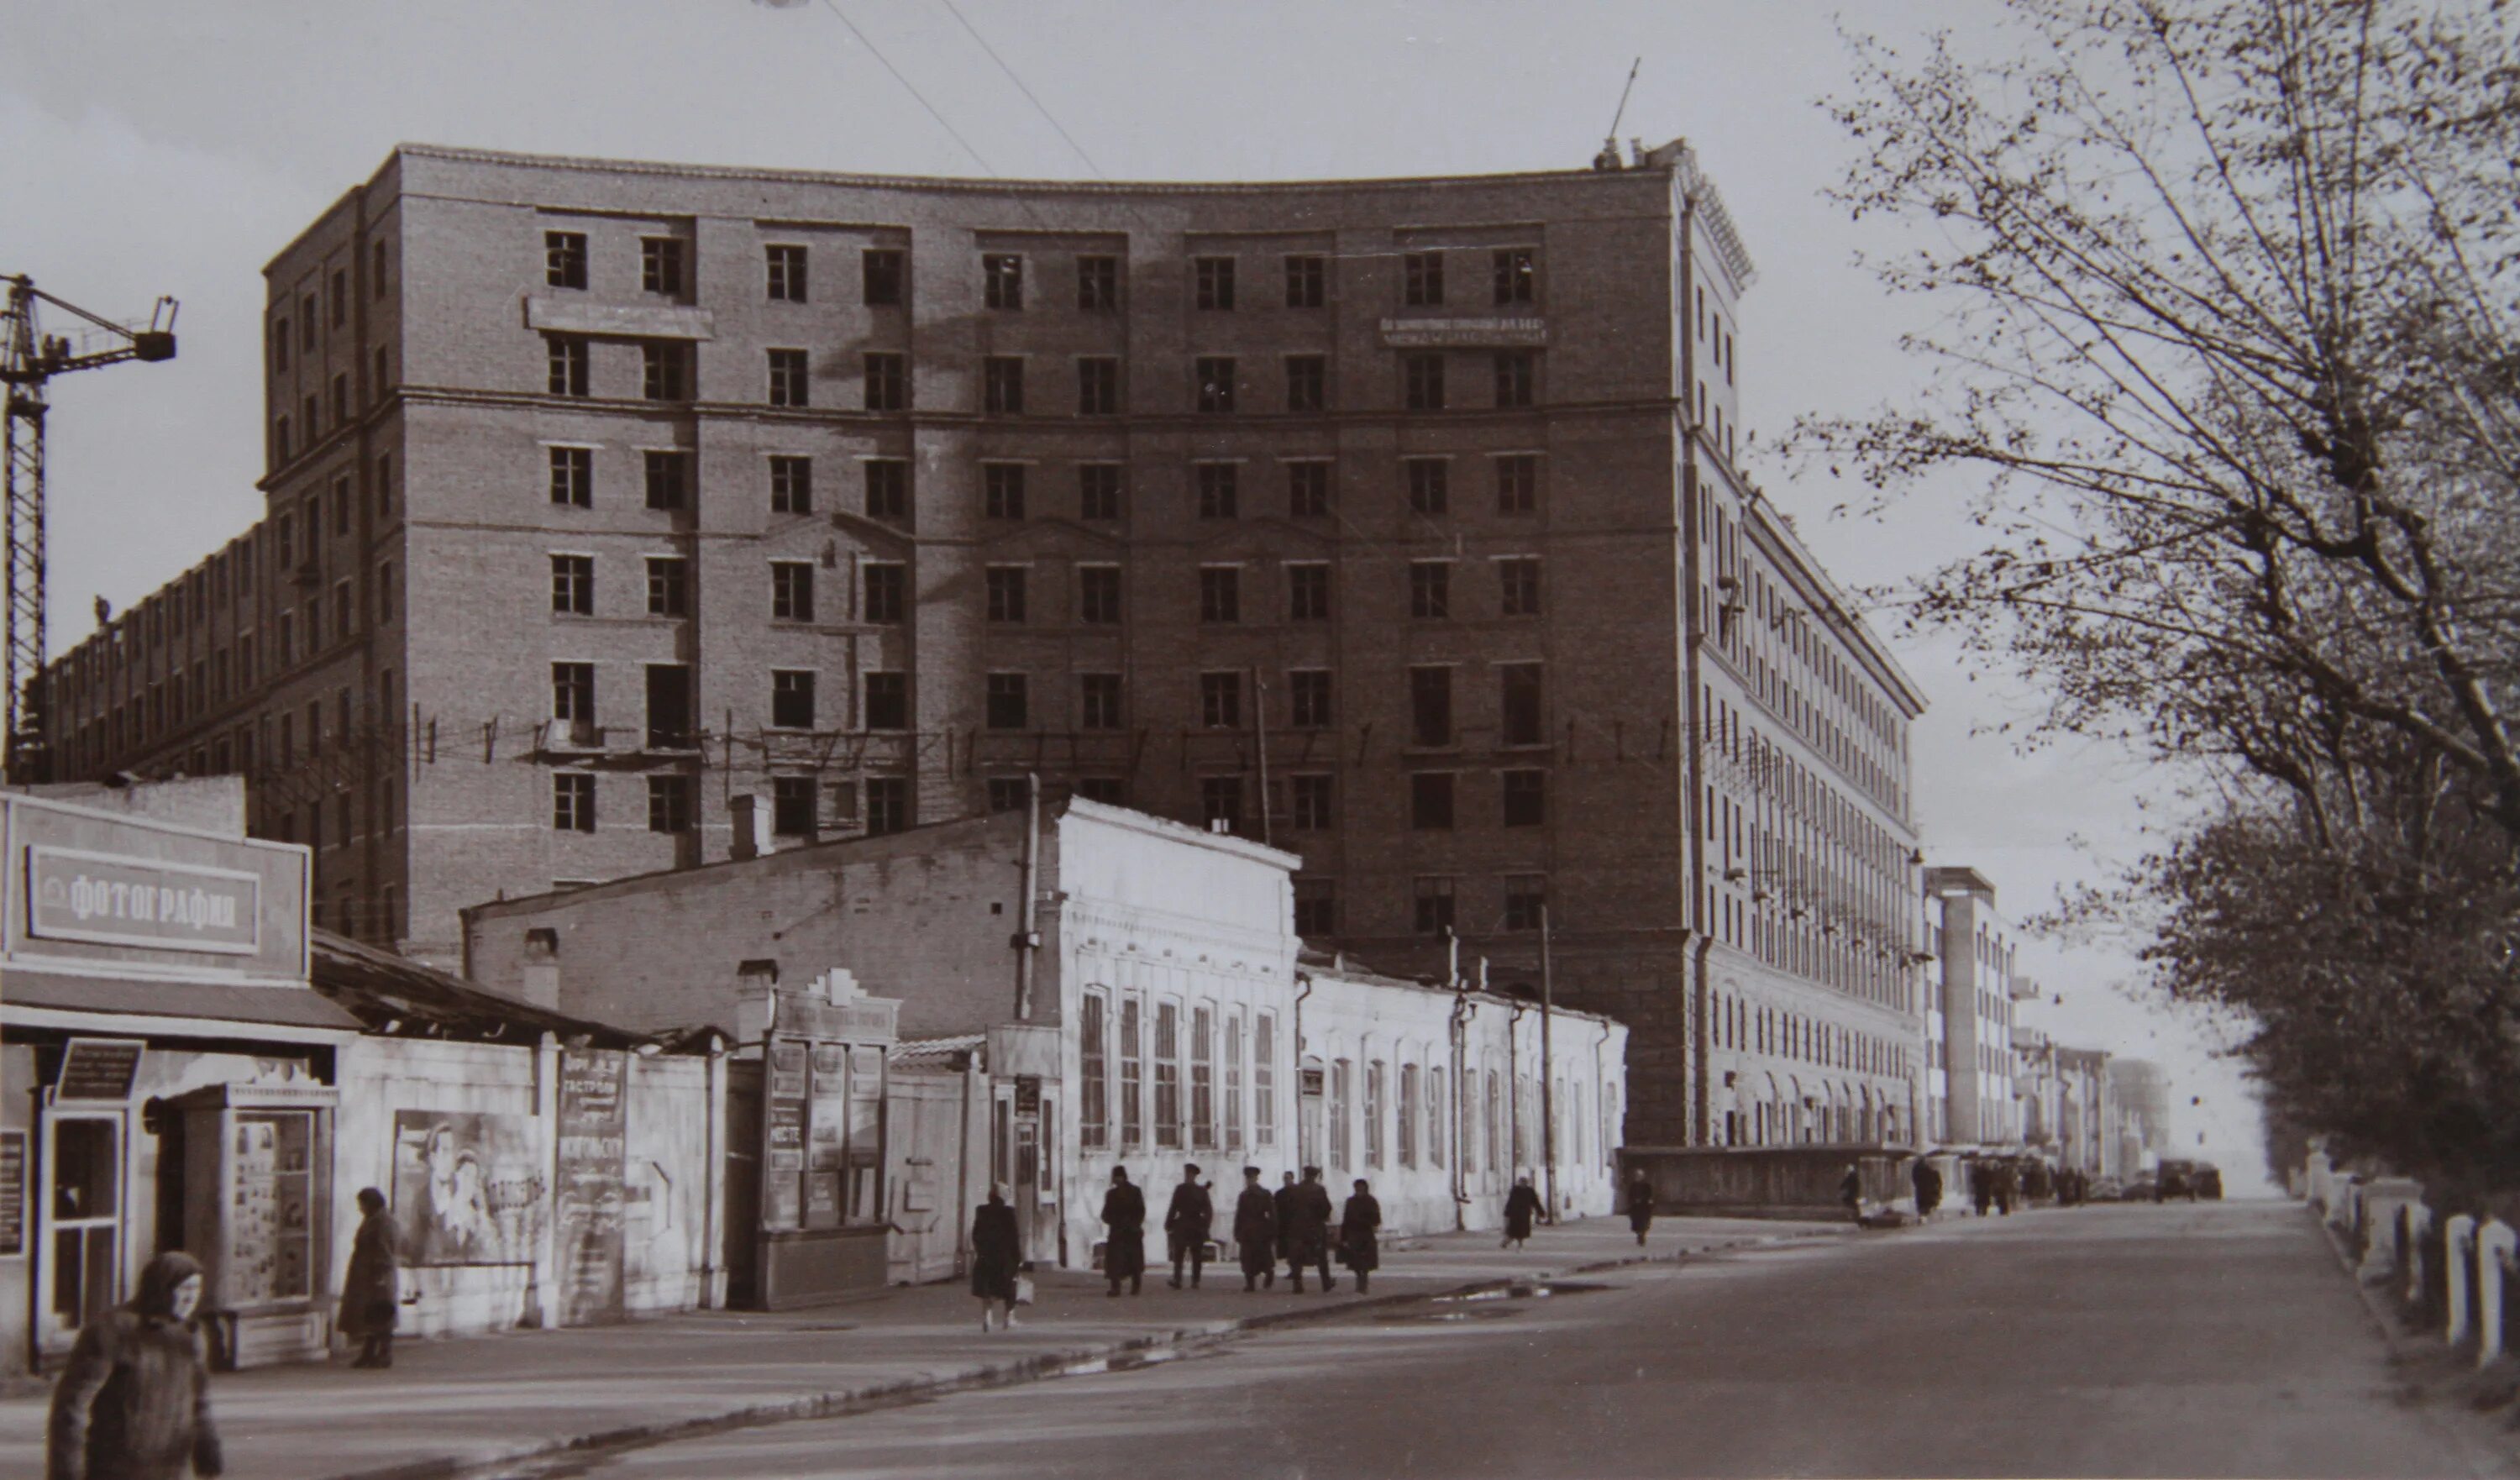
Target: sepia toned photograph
(1714,738)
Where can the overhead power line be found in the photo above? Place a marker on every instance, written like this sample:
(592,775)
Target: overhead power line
(1029,96)
(833,7)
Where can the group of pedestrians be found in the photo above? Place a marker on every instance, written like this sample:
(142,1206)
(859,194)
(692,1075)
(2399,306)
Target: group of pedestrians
(1290,1224)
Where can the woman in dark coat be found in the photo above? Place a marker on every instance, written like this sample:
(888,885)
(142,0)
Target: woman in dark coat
(1640,1208)
(1255,1232)
(1359,1221)
(368,1292)
(134,1402)
(1304,1227)
(1124,1252)
(996,1257)
(1521,1206)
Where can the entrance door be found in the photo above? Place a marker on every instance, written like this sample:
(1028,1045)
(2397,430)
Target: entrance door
(741,1222)
(79,1259)
(929,1210)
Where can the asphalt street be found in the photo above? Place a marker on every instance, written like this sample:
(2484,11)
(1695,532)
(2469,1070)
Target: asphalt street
(2213,1339)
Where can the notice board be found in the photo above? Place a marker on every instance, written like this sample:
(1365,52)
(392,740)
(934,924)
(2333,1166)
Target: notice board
(587,1182)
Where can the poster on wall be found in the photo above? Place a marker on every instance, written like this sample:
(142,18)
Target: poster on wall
(466,1189)
(587,1185)
(13,1193)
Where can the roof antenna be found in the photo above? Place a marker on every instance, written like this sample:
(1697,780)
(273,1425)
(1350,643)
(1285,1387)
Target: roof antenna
(1608,157)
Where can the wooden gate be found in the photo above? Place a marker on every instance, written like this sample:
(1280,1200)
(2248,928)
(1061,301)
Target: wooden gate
(929,1218)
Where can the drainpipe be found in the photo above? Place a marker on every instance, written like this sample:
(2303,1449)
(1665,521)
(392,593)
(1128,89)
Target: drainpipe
(1512,1088)
(1027,934)
(713,1179)
(1303,989)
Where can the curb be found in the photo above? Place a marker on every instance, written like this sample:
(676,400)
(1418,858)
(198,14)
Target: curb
(2393,1333)
(839,1404)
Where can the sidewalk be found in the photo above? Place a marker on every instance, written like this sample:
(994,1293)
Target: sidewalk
(451,1406)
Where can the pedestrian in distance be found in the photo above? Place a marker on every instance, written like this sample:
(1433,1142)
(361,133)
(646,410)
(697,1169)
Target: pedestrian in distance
(1306,1228)
(1930,1186)
(997,1260)
(1981,1186)
(369,1291)
(1521,1206)
(1124,1249)
(1186,1226)
(134,1402)
(1255,1232)
(1359,1222)
(2006,1188)
(1285,1197)
(1641,1206)
(1850,1192)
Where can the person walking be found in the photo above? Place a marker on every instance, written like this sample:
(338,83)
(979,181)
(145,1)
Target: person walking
(1981,1179)
(997,1260)
(2006,1186)
(134,1402)
(1255,1232)
(1285,1198)
(1929,1188)
(368,1290)
(1124,1250)
(1359,1222)
(1306,1228)
(1850,1192)
(1521,1206)
(1186,1226)
(1641,1206)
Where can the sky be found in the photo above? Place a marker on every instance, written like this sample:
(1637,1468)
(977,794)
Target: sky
(175,146)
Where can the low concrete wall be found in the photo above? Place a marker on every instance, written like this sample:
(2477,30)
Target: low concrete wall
(1775,1182)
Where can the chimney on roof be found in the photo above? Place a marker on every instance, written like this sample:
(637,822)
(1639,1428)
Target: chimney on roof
(751,826)
(538,981)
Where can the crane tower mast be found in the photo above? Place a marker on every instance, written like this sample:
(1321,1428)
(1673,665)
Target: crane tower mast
(28,360)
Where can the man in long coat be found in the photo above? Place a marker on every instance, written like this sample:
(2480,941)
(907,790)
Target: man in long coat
(370,1289)
(1306,1228)
(1285,1197)
(1359,1248)
(1521,1206)
(1124,1249)
(1930,1186)
(1255,1232)
(1186,1226)
(134,1402)
(1641,1206)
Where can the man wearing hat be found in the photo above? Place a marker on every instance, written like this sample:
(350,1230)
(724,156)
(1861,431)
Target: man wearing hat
(1186,1226)
(1255,1232)
(1306,1228)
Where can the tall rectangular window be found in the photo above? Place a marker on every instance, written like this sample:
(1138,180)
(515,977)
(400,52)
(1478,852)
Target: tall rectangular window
(1098,385)
(669,480)
(1316,907)
(1099,700)
(1518,375)
(788,382)
(1264,1079)
(887,592)
(887,381)
(1220,800)
(1006,586)
(573,801)
(785,266)
(1219,592)
(1215,376)
(1310,798)
(1009,701)
(1213,281)
(1524,797)
(1430,485)
(1422,381)
(1522,716)
(1231,1053)
(566,356)
(1430,590)
(572,477)
(1219,489)
(1308,592)
(1374,1092)
(666,372)
(1421,279)
(1517,274)
(791,591)
(1002,490)
(1094,1109)
(1307,280)
(1518,482)
(1437,1111)
(660,265)
(669,591)
(1308,378)
(672,712)
(565,258)
(1308,490)
(889,806)
(886,697)
(1433,899)
(1431,800)
(1308,691)
(1002,280)
(1097,595)
(1203,1077)
(573,587)
(791,699)
(1341,1126)
(1098,282)
(1002,384)
(887,489)
(882,273)
(1405,1115)
(792,484)
(670,804)
(1518,586)
(792,809)
(1098,491)
(1133,1131)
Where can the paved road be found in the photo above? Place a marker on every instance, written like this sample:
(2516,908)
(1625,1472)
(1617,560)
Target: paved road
(2217,1339)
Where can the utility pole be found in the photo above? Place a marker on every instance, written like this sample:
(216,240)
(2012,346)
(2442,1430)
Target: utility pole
(1260,738)
(1547,1107)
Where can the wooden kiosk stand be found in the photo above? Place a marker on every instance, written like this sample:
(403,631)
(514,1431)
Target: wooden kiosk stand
(823,1226)
(258,1163)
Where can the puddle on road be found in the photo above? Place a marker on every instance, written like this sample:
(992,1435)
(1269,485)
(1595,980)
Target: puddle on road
(1130,1361)
(1517,1290)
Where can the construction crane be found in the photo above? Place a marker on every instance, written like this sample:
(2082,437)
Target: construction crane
(28,360)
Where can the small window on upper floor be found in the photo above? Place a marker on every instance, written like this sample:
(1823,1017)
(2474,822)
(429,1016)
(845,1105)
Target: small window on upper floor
(1002,275)
(884,275)
(784,267)
(1097,283)
(1214,281)
(565,258)
(1423,279)
(1517,274)
(1307,277)
(660,265)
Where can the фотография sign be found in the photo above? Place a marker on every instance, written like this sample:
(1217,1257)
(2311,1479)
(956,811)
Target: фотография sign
(109,900)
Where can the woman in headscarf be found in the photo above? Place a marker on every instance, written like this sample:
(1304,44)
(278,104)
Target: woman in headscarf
(368,1293)
(997,1258)
(1521,1206)
(134,1402)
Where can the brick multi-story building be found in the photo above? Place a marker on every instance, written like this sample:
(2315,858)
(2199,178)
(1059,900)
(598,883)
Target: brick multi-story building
(1394,520)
